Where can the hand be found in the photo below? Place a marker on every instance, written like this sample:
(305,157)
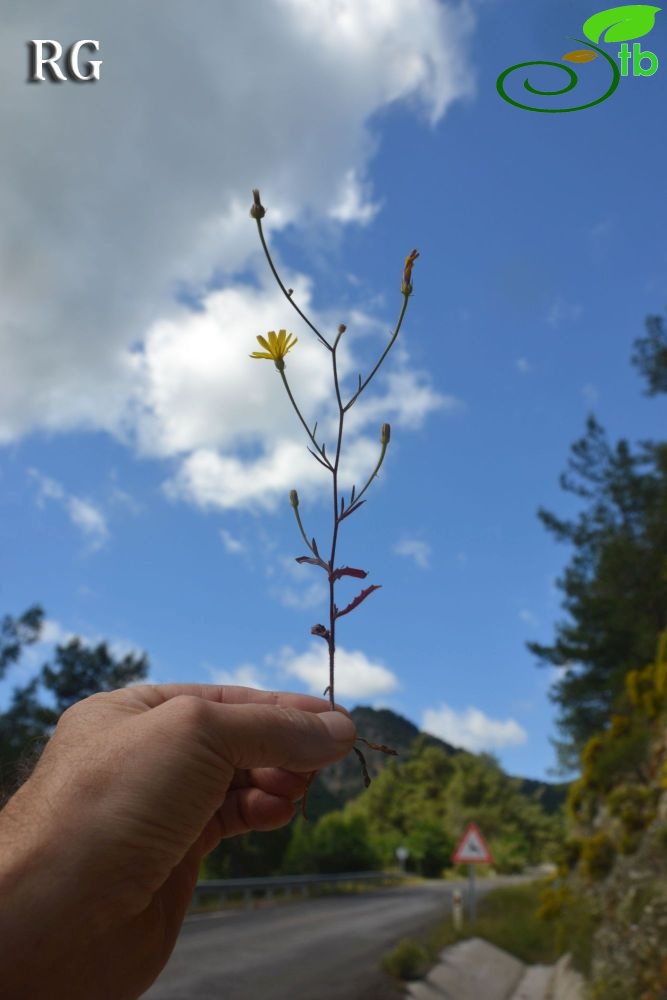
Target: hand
(100,848)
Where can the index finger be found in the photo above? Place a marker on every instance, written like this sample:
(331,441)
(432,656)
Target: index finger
(153,695)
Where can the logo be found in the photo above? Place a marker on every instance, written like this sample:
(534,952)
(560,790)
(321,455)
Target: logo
(618,24)
(45,53)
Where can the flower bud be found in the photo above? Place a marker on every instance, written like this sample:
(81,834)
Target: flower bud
(385,434)
(342,328)
(294,498)
(257,211)
(406,285)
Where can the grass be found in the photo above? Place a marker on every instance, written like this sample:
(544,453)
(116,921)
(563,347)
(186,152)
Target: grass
(506,917)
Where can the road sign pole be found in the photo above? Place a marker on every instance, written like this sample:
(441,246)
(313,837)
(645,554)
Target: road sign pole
(472,902)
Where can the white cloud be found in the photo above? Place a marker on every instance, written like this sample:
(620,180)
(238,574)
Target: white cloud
(352,207)
(356,675)
(561,312)
(309,597)
(228,418)
(53,634)
(406,401)
(414,549)
(472,729)
(121,498)
(145,190)
(523,366)
(82,513)
(89,519)
(245,675)
(529,618)
(232,545)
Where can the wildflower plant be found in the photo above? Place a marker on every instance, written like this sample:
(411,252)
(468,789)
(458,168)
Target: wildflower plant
(275,347)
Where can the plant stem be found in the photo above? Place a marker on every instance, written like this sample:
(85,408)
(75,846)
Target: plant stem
(323,460)
(336,522)
(370,480)
(284,290)
(320,454)
(384,354)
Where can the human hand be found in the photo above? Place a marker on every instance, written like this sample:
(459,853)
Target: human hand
(100,849)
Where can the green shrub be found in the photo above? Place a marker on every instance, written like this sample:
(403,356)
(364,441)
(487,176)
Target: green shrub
(597,856)
(341,844)
(408,960)
(573,921)
(634,805)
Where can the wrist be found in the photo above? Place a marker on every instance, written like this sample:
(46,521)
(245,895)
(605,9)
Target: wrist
(48,915)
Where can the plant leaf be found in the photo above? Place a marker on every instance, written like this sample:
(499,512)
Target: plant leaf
(351,510)
(348,571)
(308,559)
(322,631)
(358,599)
(580,56)
(621,23)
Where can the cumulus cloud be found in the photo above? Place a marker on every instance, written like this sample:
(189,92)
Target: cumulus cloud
(356,675)
(83,514)
(232,544)
(352,206)
(414,549)
(145,188)
(472,729)
(245,675)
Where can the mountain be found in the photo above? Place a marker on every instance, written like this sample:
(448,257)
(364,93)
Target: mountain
(343,781)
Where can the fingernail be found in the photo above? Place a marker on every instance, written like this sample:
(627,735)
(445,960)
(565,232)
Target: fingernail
(340,727)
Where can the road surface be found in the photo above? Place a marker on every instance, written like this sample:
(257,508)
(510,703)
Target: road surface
(319,949)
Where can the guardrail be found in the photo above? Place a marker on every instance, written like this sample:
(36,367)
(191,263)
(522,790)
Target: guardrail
(248,889)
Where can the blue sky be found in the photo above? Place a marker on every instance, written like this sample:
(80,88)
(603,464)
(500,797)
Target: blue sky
(146,461)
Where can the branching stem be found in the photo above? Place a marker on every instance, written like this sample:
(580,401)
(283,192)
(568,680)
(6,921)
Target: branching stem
(319,451)
(287,293)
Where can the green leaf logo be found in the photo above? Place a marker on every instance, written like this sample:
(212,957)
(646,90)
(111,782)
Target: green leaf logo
(621,24)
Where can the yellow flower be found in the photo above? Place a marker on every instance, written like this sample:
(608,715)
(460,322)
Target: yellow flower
(276,347)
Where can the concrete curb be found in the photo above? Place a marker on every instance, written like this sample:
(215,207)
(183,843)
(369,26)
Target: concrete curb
(476,970)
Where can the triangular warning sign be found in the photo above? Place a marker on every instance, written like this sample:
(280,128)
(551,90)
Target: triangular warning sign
(472,848)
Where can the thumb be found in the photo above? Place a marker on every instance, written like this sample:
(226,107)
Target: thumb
(256,735)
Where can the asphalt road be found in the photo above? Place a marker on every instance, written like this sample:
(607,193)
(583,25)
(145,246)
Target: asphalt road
(320,949)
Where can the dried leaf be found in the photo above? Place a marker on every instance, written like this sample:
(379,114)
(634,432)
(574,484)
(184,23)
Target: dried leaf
(308,559)
(364,769)
(321,631)
(360,574)
(382,747)
(580,56)
(358,599)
